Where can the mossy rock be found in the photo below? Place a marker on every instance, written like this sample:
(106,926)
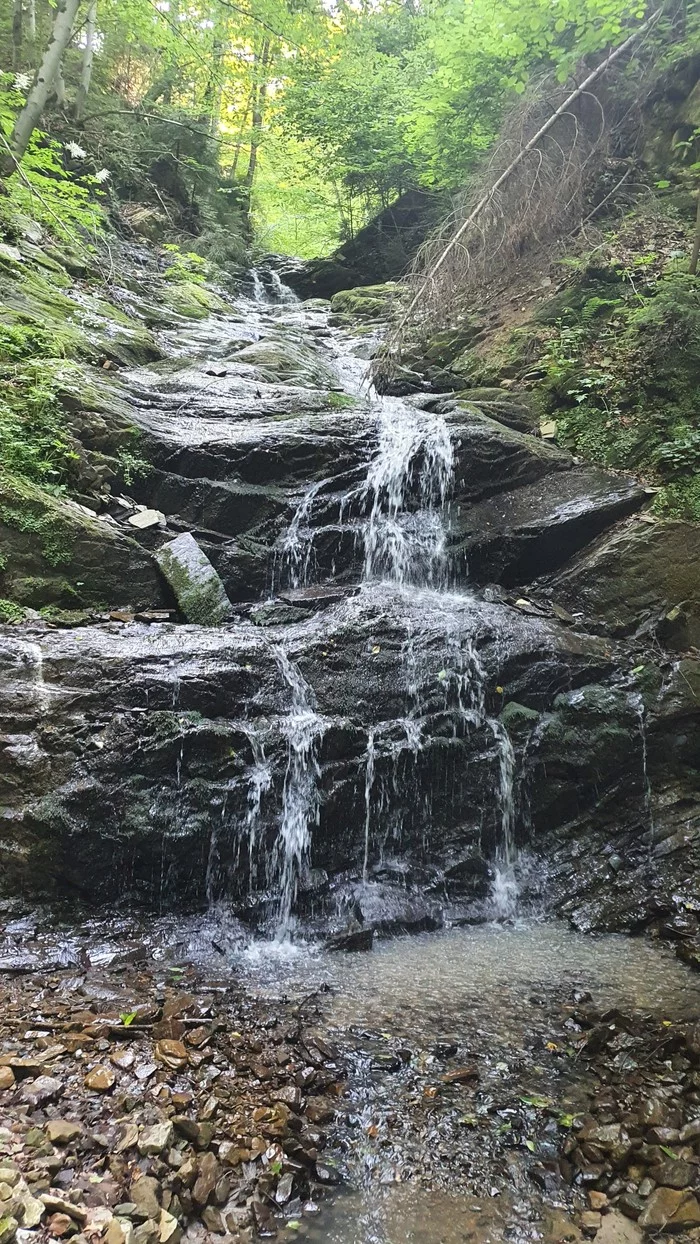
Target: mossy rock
(52,552)
(368,302)
(191,300)
(518,719)
(197,587)
(86,326)
(288,360)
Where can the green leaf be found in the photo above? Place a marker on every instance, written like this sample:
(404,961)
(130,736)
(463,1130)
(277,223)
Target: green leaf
(128,1018)
(540,1103)
(669,1152)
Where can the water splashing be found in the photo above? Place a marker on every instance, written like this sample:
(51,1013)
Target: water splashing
(300,801)
(294,556)
(259,291)
(504,888)
(407,487)
(281,292)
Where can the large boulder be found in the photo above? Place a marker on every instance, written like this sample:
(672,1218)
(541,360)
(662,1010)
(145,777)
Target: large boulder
(57,552)
(639,571)
(197,588)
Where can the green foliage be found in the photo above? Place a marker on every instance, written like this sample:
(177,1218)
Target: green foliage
(44,191)
(19,342)
(33,441)
(10,612)
(132,466)
(621,378)
(681,500)
(185,266)
(53,537)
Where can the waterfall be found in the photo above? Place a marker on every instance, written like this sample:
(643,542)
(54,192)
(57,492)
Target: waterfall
(407,485)
(294,555)
(300,801)
(259,291)
(504,889)
(399,515)
(637,702)
(280,291)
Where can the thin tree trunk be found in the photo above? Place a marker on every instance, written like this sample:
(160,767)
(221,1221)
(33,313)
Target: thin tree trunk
(695,257)
(259,94)
(86,67)
(212,91)
(17,34)
(529,146)
(44,80)
(59,89)
(31,13)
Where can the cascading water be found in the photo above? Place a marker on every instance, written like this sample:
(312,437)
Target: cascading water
(300,802)
(400,514)
(407,487)
(281,292)
(259,291)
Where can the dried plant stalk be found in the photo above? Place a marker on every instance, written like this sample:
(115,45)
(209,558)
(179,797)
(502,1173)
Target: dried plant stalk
(533,188)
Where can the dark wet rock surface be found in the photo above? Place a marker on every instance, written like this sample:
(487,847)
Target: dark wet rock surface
(151,760)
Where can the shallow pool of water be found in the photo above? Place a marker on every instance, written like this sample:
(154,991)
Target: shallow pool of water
(483,975)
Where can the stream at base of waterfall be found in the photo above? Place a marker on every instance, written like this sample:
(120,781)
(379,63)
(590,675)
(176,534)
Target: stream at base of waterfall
(404,503)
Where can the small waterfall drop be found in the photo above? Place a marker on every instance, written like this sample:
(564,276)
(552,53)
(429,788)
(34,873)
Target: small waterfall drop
(504,888)
(280,291)
(259,291)
(637,702)
(300,801)
(407,486)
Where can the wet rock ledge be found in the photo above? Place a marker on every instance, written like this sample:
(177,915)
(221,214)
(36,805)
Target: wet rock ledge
(147,1106)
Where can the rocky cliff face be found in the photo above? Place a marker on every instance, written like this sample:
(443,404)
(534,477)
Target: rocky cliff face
(459,664)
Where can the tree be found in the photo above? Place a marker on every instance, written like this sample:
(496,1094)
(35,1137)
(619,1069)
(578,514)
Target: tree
(66,13)
(86,67)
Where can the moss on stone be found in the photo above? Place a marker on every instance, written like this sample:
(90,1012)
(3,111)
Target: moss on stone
(368,302)
(194,301)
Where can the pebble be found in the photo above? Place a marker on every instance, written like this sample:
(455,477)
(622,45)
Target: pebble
(145,1196)
(41,1091)
(156,1139)
(100,1079)
(172,1054)
(691,1131)
(62,1131)
(670,1209)
(7,1078)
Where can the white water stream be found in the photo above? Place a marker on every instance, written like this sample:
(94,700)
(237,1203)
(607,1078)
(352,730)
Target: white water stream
(399,513)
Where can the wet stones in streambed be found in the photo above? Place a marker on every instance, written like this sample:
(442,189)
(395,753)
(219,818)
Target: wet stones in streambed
(635,1147)
(176,1108)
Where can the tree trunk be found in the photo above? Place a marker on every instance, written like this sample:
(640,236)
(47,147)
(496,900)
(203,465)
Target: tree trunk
(44,80)
(86,67)
(213,89)
(695,257)
(17,34)
(31,12)
(259,93)
(59,90)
